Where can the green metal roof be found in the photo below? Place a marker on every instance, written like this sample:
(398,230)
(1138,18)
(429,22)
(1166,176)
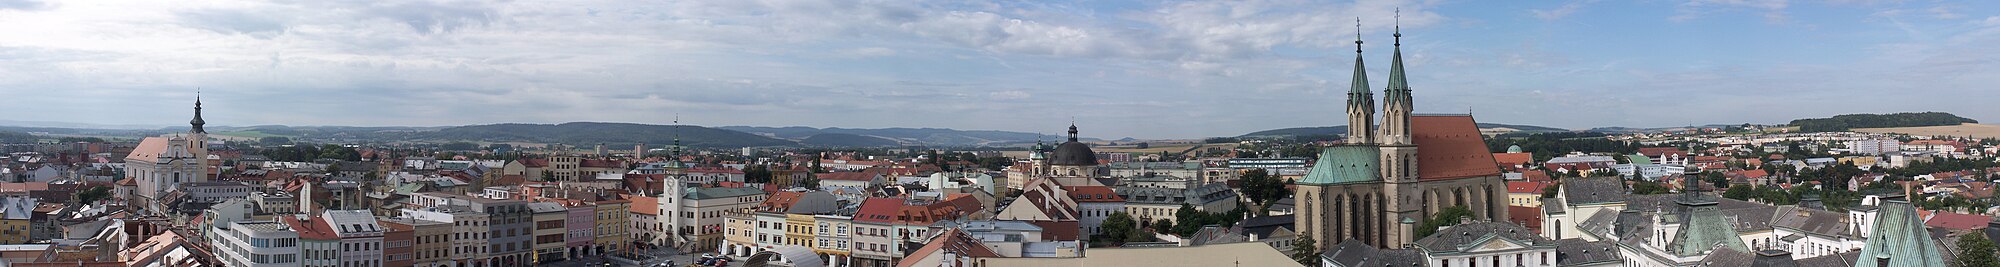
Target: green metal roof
(1358,93)
(1345,164)
(1705,229)
(1900,237)
(1638,159)
(720,192)
(1399,87)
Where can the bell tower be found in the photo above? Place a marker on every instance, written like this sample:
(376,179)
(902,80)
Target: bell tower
(1360,99)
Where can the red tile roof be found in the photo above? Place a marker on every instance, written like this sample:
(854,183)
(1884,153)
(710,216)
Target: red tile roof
(311,228)
(644,204)
(1957,221)
(1094,193)
(1512,159)
(535,163)
(878,210)
(1536,176)
(1450,147)
(780,202)
(1530,217)
(847,176)
(1656,152)
(1748,174)
(600,163)
(1525,187)
(951,241)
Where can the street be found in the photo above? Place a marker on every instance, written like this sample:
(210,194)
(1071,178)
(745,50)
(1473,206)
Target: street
(652,257)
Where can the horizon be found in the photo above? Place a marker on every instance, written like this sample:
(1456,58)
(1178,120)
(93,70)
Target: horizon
(1117,69)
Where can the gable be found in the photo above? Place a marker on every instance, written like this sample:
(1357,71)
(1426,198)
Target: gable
(1495,243)
(1450,147)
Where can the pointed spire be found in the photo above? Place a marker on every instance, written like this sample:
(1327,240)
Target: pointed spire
(1399,87)
(1359,94)
(676,153)
(197,122)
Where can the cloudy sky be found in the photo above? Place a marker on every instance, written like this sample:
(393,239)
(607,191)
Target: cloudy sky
(1118,68)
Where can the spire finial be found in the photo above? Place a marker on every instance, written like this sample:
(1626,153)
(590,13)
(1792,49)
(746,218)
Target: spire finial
(1399,26)
(1072,131)
(1357,35)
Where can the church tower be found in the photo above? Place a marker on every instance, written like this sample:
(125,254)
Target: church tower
(1360,100)
(197,140)
(1399,155)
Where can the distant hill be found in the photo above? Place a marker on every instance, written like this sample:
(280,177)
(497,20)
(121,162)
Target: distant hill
(16,137)
(923,136)
(1342,129)
(1851,121)
(582,133)
(847,140)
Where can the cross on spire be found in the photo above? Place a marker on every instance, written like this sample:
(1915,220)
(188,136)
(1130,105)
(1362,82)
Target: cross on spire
(1399,26)
(1357,35)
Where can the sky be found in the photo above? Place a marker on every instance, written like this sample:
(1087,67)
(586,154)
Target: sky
(1144,69)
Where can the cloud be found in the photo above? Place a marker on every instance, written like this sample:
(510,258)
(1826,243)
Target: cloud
(867,52)
(1774,10)
(1559,12)
(1943,12)
(1009,95)
(21,4)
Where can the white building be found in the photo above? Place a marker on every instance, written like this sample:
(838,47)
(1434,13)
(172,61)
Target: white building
(1487,244)
(360,237)
(1874,146)
(257,244)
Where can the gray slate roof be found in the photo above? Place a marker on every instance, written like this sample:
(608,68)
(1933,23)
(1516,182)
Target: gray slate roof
(1594,190)
(1354,253)
(1463,236)
(1576,252)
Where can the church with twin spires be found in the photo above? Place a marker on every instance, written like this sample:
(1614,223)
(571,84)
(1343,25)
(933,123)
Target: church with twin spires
(1391,174)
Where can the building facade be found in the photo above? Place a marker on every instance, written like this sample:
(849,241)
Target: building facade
(1377,185)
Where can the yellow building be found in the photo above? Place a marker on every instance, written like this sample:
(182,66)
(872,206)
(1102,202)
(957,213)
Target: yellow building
(799,230)
(739,232)
(14,215)
(1525,194)
(614,218)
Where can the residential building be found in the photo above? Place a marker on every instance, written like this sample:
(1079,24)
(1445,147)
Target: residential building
(1487,243)
(256,244)
(398,246)
(1874,146)
(550,233)
(430,241)
(613,222)
(470,231)
(693,216)
(1094,204)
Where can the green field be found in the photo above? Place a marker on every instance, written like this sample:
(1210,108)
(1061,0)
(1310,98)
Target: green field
(248,134)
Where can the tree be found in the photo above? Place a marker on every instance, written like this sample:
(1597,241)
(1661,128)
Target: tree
(1304,250)
(1977,250)
(1551,190)
(1163,226)
(1739,193)
(810,182)
(1262,188)
(93,194)
(1445,217)
(1119,226)
(1648,188)
(274,140)
(1716,178)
